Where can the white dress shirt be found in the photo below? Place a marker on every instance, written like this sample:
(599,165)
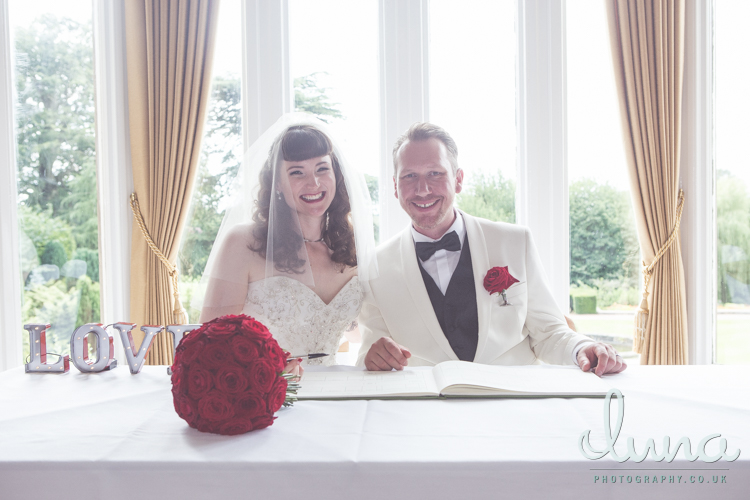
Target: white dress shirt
(443,263)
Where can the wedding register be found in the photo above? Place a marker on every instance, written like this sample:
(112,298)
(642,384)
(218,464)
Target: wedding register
(453,379)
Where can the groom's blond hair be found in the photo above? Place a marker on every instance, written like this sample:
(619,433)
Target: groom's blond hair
(421,131)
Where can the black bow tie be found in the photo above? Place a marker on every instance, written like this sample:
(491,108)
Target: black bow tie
(449,242)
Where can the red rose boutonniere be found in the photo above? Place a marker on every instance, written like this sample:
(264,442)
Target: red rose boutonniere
(498,280)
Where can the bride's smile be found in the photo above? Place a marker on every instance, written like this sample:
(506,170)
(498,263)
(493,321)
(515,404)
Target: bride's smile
(312,184)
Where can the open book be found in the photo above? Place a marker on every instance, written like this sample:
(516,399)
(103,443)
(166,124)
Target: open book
(458,379)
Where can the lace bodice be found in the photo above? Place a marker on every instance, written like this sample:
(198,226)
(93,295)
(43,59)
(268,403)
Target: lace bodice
(299,320)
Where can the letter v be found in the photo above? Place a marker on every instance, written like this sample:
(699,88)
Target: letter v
(135,358)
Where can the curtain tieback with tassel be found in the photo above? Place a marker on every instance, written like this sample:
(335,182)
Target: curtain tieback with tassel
(641,317)
(179,314)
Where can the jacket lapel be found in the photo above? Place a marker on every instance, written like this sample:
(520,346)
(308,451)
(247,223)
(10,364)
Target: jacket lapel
(480,262)
(418,291)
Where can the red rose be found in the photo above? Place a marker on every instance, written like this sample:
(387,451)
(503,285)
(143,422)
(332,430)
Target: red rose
(236,319)
(262,375)
(498,279)
(186,408)
(216,355)
(225,377)
(262,422)
(250,406)
(255,329)
(245,350)
(277,395)
(236,426)
(176,372)
(230,379)
(215,407)
(275,355)
(191,337)
(220,329)
(199,381)
(203,425)
(191,352)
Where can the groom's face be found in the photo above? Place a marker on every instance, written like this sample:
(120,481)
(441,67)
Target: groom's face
(426,185)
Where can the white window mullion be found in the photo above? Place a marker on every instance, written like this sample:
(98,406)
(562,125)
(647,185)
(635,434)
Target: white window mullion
(542,192)
(114,171)
(11,329)
(267,91)
(404,95)
(698,227)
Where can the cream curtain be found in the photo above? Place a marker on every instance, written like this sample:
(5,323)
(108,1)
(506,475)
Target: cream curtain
(169,55)
(647,39)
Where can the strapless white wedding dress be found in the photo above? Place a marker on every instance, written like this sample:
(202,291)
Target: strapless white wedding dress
(299,320)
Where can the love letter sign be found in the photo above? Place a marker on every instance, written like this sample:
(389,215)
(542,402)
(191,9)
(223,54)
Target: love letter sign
(105,351)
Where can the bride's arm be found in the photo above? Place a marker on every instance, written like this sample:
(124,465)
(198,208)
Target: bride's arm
(227,286)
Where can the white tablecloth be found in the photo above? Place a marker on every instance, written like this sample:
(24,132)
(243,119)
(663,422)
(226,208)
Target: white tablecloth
(114,435)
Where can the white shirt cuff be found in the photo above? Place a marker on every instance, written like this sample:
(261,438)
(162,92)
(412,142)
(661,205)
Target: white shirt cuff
(578,348)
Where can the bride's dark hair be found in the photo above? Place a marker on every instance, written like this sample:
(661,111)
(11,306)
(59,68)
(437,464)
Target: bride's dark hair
(299,143)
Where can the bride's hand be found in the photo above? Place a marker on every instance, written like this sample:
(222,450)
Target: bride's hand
(294,366)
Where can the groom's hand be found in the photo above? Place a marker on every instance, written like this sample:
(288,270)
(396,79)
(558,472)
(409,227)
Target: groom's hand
(385,355)
(602,358)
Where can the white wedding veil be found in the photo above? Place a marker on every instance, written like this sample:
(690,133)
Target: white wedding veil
(257,209)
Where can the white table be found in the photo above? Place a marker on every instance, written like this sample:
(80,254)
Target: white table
(114,435)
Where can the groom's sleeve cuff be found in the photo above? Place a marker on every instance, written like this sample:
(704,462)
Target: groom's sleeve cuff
(578,348)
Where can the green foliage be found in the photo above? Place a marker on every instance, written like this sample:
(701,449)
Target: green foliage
(52,303)
(584,304)
(222,143)
(91,258)
(602,238)
(55,88)
(41,228)
(189,288)
(610,292)
(733,231)
(79,207)
(54,254)
(491,197)
(311,97)
(64,303)
(88,305)
(372,186)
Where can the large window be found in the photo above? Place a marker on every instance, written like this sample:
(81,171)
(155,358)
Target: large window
(604,252)
(473,96)
(221,154)
(732,106)
(56,166)
(334,67)
(490,72)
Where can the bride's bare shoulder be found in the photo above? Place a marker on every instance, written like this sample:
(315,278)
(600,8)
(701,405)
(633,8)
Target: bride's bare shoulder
(240,248)
(239,244)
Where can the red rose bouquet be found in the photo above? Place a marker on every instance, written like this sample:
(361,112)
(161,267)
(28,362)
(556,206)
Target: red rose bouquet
(227,376)
(498,280)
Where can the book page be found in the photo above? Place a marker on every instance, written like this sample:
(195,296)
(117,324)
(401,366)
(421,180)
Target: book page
(462,377)
(364,384)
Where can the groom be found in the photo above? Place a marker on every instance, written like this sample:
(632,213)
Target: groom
(429,303)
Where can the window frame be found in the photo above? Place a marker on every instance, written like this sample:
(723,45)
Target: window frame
(11,343)
(542,193)
(698,180)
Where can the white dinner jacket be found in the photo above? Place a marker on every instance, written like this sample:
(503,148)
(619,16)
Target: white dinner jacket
(396,303)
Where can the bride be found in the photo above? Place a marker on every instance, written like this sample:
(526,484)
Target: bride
(294,242)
